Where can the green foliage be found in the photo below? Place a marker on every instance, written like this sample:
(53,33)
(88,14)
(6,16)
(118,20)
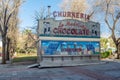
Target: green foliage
(27,31)
(28,50)
(103,42)
(110,51)
(106,54)
(31,50)
(18,50)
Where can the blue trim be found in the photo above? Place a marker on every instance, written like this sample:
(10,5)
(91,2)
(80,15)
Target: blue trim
(43,35)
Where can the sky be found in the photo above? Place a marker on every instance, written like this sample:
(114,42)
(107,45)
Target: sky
(29,7)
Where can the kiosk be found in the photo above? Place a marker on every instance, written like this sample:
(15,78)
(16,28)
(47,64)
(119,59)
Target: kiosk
(68,42)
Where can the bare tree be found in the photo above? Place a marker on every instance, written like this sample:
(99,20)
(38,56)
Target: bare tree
(74,5)
(111,8)
(7,8)
(39,15)
(81,6)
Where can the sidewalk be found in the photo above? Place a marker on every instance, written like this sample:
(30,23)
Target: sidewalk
(8,72)
(107,71)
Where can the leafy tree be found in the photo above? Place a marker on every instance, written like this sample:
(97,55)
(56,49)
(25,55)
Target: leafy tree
(12,34)
(110,40)
(103,43)
(29,39)
(7,9)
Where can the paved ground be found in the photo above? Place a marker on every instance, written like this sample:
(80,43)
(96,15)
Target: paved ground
(106,71)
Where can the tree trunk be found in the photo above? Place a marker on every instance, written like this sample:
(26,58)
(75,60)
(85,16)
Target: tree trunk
(118,51)
(3,50)
(11,51)
(8,52)
(117,44)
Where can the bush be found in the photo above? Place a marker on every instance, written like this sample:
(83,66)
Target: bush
(18,50)
(22,51)
(28,50)
(105,54)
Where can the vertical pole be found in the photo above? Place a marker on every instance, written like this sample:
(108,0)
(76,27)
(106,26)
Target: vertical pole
(49,11)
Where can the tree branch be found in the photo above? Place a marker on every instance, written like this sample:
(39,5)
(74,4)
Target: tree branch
(113,33)
(1,29)
(114,24)
(108,24)
(5,17)
(118,39)
(31,36)
(107,8)
(1,23)
(8,19)
(10,14)
(106,14)
(91,14)
(113,17)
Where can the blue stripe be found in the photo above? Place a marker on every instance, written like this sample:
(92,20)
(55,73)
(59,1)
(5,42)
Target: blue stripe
(43,35)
